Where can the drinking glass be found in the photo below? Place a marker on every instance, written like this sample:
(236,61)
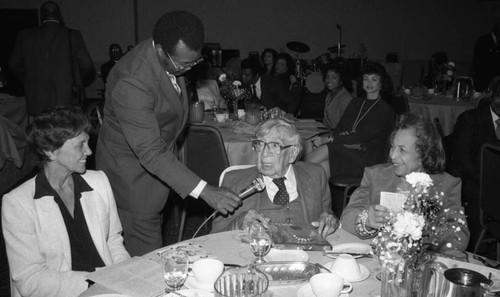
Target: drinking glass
(260,242)
(175,268)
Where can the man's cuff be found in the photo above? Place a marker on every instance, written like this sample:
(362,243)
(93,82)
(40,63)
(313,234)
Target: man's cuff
(199,188)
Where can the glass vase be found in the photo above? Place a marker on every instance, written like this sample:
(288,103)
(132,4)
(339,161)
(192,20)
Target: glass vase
(234,115)
(393,278)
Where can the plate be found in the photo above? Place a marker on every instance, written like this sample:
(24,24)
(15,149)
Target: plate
(357,248)
(307,291)
(276,255)
(192,283)
(191,293)
(365,272)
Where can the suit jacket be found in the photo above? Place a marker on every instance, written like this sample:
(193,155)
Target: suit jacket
(41,59)
(382,178)
(486,61)
(312,186)
(143,117)
(37,242)
(275,93)
(472,129)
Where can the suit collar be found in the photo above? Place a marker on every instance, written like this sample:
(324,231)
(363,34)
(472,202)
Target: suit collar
(43,188)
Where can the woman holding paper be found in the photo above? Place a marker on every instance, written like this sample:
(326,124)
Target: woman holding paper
(415,147)
(63,223)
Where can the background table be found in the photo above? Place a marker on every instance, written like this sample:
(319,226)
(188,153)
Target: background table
(445,108)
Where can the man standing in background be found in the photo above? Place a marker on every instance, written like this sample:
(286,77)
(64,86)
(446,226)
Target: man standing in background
(52,62)
(145,112)
(486,61)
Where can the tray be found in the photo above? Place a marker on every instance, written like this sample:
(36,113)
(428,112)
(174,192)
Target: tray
(288,236)
(287,273)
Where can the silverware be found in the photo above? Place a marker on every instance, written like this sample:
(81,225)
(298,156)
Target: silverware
(329,253)
(322,267)
(173,292)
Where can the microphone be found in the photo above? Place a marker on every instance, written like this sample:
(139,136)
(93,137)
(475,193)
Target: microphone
(256,186)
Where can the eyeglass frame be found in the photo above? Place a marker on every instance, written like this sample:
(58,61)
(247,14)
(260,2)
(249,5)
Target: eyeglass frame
(184,67)
(282,147)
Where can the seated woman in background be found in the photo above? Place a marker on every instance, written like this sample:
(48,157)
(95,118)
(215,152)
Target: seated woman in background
(63,223)
(268,59)
(361,138)
(339,95)
(207,88)
(415,147)
(285,70)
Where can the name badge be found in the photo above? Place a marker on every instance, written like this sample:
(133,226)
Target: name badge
(393,201)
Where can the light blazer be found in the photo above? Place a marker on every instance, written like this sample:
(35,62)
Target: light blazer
(37,242)
(382,178)
(312,186)
(143,118)
(335,107)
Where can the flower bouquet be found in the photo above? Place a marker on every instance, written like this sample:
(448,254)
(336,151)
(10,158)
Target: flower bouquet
(402,244)
(232,91)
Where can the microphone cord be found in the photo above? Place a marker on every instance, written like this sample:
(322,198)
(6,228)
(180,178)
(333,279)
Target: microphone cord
(204,223)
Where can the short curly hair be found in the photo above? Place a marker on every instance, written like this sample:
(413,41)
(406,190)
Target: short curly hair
(179,25)
(385,80)
(428,145)
(50,130)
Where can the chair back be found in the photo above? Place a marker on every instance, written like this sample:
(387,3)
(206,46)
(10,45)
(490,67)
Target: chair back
(489,187)
(205,153)
(399,103)
(231,168)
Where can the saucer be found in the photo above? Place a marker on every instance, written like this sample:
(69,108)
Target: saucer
(192,283)
(365,272)
(357,248)
(307,291)
(191,293)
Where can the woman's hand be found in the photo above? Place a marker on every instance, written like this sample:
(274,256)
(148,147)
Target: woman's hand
(318,141)
(378,215)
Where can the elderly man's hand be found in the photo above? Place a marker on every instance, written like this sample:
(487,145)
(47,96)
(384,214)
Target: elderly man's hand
(254,217)
(327,224)
(378,215)
(221,199)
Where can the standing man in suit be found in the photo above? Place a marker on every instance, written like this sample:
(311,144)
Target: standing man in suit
(271,91)
(296,192)
(486,60)
(51,60)
(145,112)
(474,128)
(115,53)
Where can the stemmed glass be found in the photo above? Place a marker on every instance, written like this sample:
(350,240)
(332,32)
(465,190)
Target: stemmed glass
(260,242)
(175,268)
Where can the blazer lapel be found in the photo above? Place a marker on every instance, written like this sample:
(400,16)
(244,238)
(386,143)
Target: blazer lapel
(92,219)
(50,215)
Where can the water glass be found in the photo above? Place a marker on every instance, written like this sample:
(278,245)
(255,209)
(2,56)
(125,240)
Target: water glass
(175,268)
(260,242)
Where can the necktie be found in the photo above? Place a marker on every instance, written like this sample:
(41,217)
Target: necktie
(282,197)
(497,130)
(254,91)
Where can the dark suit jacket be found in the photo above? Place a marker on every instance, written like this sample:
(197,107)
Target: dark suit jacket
(143,117)
(486,61)
(312,186)
(41,59)
(381,177)
(472,129)
(275,93)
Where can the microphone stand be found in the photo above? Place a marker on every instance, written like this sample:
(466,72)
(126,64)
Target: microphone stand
(339,51)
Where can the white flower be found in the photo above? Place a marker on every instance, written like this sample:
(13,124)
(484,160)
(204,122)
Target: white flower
(222,77)
(236,83)
(449,72)
(419,179)
(452,64)
(408,224)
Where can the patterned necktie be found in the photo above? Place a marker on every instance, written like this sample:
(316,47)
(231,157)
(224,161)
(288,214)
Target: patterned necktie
(282,197)
(497,130)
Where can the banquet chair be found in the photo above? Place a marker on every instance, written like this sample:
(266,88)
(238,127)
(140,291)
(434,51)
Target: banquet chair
(488,196)
(399,103)
(204,153)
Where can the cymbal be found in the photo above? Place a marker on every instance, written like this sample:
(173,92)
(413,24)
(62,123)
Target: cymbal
(334,49)
(298,47)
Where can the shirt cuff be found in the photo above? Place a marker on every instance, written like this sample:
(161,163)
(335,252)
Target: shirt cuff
(199,188)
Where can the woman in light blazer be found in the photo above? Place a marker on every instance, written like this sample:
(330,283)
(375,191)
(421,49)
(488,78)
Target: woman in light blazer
(63,223)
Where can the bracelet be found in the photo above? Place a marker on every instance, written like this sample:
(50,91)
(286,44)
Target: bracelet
(361,228)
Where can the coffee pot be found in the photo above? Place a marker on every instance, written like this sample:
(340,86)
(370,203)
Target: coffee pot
(463,88)
(464,282)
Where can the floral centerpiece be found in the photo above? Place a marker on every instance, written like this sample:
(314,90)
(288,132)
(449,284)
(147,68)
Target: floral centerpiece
(232,91)
(445,76)
(422,225)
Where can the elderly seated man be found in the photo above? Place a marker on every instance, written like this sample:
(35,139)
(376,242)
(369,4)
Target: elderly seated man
(295,193)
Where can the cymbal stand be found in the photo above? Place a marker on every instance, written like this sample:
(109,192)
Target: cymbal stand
(339,50)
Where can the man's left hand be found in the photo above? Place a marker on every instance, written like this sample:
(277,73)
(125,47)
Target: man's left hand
(327,224)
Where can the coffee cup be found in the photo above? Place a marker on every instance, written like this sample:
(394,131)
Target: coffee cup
(329,285)
(206,271)
(241,113)
(347,267)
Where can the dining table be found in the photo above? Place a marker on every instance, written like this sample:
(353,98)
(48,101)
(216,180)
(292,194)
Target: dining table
(238,135)
(443,107)
(229,248)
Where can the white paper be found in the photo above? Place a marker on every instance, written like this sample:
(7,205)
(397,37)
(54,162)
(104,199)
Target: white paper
(137,277)
(393,201)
